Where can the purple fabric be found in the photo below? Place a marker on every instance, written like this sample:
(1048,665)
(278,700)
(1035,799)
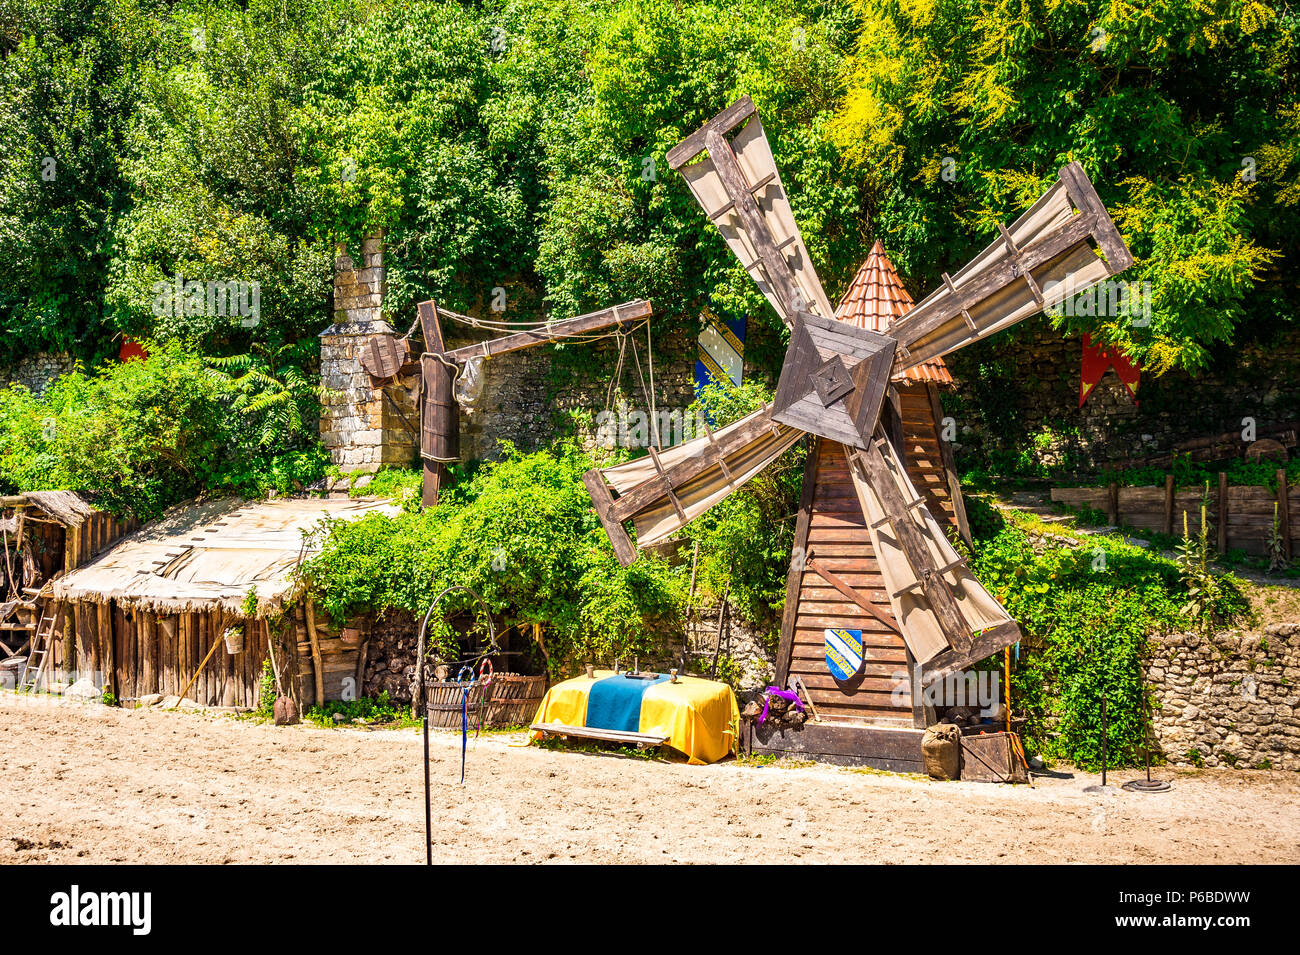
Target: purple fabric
(783,694)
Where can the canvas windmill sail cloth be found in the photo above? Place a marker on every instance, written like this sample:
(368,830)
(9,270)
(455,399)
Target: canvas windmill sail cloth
(920,626)
(704,490)
(754,156)
(1070,272)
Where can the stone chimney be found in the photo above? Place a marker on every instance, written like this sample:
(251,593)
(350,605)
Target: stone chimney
(364,426)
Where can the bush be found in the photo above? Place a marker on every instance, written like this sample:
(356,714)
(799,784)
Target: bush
(140,436)
(1087,612)
(522,534)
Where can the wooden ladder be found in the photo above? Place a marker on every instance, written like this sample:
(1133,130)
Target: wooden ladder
(42,643)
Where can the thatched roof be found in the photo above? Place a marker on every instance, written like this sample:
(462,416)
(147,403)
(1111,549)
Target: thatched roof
(208,556)
(66,507)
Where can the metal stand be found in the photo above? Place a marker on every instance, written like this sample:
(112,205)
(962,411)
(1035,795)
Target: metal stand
(1105,740)
(422,703)
(1148,785)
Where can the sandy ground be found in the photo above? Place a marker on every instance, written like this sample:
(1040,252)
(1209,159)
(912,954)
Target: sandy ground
(93,784)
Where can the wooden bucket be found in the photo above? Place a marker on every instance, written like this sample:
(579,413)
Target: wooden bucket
(445,699)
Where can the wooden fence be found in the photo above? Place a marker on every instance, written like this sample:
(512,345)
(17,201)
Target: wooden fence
(1241,516)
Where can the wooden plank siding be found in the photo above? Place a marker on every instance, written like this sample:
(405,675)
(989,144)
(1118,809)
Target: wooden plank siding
(1249,509)
(923,451)
(837,537)
(150,653)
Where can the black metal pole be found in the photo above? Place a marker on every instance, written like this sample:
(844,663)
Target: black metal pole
(1104,733)
(428,811)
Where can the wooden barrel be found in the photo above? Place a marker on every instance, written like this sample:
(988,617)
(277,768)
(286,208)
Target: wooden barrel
(440,415)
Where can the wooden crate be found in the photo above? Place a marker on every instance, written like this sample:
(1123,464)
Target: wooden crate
(992,758)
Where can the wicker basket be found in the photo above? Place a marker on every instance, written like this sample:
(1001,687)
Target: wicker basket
(510,699)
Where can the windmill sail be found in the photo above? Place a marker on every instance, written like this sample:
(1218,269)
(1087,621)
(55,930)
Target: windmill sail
(1052,244)
(1043,258)
(666,490)
(981,625)
(738,186)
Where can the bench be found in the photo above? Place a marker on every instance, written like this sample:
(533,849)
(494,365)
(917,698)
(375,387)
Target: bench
(639,740)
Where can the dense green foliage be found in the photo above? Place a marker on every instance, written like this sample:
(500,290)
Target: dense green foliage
(744,541)
(1087,612)
(140,436)
(522,534)
(1184,115)
(521,145)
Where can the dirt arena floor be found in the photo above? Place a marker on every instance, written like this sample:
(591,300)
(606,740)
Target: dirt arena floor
(91,784)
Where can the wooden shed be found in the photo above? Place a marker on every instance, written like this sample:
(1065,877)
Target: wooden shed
(146,612)
(44,534)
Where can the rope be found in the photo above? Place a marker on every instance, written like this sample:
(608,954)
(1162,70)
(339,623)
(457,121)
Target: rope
(654,422)
(617,378)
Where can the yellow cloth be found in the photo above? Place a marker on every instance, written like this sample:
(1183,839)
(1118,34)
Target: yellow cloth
(699,717)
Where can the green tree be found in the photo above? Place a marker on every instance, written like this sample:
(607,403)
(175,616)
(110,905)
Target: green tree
(68,87)
(1184,115)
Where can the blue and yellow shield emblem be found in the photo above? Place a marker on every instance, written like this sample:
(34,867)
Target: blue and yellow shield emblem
(843,652)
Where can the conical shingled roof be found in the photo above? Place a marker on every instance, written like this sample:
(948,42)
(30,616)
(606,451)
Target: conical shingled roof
(876,299)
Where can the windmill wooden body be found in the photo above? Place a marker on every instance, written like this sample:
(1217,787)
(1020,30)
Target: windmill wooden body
(873,552)
(441,367)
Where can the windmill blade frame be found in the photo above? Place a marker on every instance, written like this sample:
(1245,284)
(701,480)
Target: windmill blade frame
(1040,260)
(729,167)
(1049,251)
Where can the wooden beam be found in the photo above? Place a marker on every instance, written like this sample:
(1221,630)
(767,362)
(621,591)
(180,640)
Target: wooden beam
(779,276)
(1223,513)
(949,465)
(724,122)
(554,331)
(914,547)
(933,313)
(843,587)
(1284,512)
(603,502)
(1014,251)
(315,651)
(1084,196)
(987,643)
(430,327)
(649,491)
(1168,526)
(794,576)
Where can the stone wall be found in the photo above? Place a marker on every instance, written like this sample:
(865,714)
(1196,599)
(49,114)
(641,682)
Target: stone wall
(1228,699)
(36,372)
(1030,397)
(364,427)
(533,395)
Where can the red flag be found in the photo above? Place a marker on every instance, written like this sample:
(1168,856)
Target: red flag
(1097,360)
(131,349)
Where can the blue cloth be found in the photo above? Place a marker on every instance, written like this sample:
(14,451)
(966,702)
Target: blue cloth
(614,703)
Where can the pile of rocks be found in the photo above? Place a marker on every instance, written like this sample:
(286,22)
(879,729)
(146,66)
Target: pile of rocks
(780,712)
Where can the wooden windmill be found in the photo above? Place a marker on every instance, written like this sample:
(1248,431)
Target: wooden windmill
(879,558)
(875,299)
(440,368)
